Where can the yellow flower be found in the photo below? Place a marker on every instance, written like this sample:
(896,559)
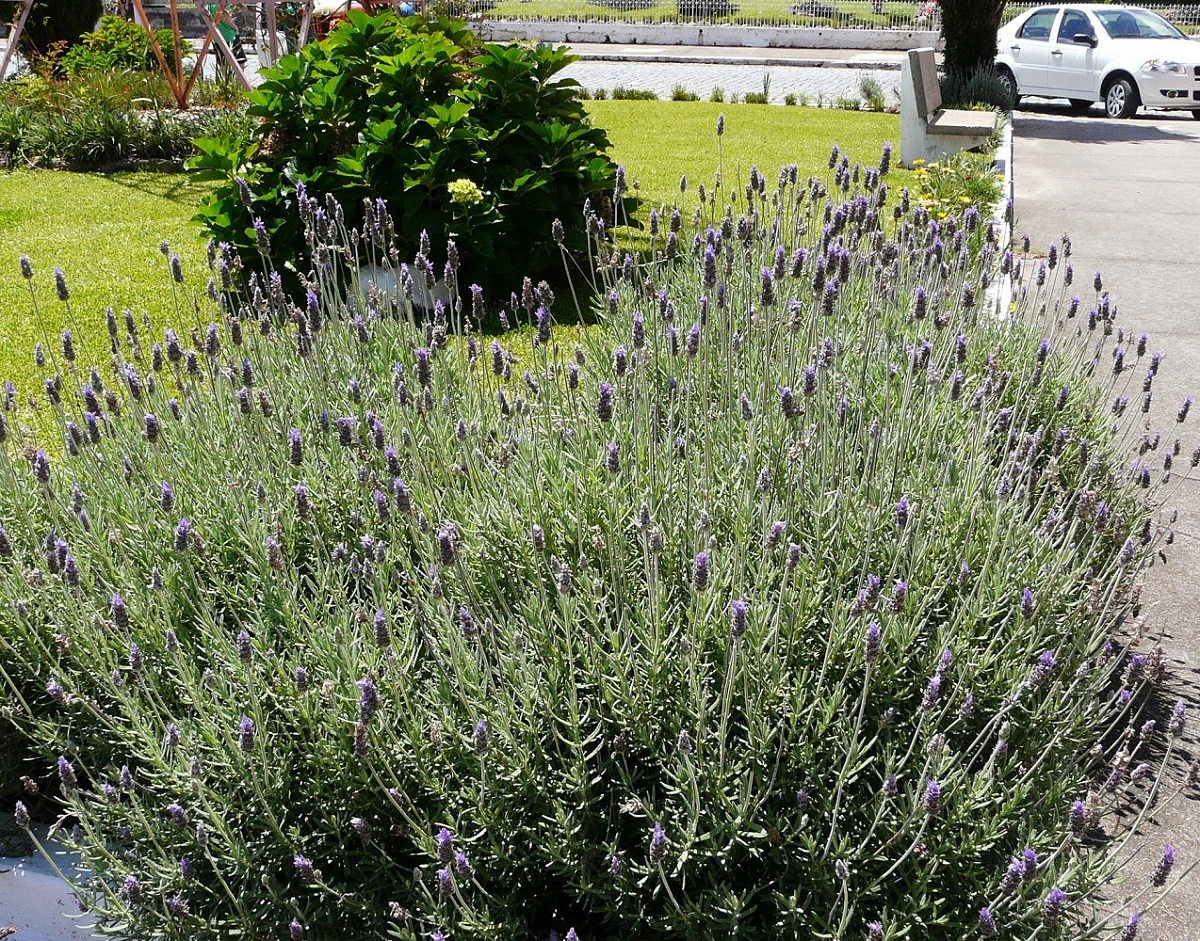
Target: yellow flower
(918,162)
(464,192)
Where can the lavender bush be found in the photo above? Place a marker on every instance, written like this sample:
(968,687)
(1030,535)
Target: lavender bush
(787,601)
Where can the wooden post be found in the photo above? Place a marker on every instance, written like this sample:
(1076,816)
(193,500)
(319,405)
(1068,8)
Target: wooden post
(15,35)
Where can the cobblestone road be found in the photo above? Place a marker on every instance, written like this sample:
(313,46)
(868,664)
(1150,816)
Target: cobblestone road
(824,83)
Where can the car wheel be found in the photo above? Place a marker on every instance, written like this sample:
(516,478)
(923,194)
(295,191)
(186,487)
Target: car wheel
(1196,115)
(1080,104)
(1009,81)
(1121,99)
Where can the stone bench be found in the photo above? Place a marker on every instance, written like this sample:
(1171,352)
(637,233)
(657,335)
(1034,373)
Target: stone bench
(927,130)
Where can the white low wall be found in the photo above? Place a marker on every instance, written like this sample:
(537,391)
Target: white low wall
(707,34)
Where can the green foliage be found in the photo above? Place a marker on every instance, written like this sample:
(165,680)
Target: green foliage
(398,109)
(95,118)
(621,93)
(717,95)
(680,93)
(756,98)
(116,45)
(790,99)
(978,88)
(961,179)
(57,23)
(671,632)
(872,94)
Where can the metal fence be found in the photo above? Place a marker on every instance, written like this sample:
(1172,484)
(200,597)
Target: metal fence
(827,14)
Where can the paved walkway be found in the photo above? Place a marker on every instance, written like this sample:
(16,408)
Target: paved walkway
(1128,192)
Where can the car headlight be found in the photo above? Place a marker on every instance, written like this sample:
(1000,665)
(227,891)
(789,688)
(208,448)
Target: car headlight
(1162,65)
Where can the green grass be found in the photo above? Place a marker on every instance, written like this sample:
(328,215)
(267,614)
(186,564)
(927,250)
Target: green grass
(660,141)
(104,231)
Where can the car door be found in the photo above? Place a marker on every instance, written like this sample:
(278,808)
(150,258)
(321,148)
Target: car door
(1071,71)
(1030,51)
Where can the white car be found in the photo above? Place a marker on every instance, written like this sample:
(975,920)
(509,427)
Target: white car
(1089,52)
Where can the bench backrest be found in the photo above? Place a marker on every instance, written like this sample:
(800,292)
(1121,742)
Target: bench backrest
(923,68)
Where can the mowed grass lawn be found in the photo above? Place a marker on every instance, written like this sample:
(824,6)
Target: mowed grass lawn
(105,231)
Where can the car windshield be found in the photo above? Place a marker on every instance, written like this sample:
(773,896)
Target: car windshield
(1136,24)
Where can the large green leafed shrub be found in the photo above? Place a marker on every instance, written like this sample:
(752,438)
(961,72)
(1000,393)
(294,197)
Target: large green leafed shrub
(483,144)
(116,45)
(783,603)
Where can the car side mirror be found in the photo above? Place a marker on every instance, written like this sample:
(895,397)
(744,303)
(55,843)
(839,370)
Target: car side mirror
(1085,39)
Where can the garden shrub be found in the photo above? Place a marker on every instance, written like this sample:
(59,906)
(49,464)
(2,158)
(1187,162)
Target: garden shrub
(116,45)
(404,109)
(785,602)
(94,118)
(980,88)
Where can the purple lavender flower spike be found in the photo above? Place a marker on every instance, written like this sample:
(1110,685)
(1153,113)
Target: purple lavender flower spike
(604,406)
(1052,907)
(1162,869)
(295,931)
(1078,817)
(1028,603)
(874,931)
(445,881)
(787,403)
(66,774)
(368,699)
(987,923)
(1043,670)
(246,734)
(929,700)
(902,513)
(132,890)
(304,868)
(873,643)
(700,572)
(932,802)
(480,741)
(1178,721)
(445,845)
(182,531)
(658,844)
(739,618)
(613,461)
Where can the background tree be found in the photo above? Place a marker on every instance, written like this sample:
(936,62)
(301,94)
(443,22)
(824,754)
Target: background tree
(58,21)
(969,27)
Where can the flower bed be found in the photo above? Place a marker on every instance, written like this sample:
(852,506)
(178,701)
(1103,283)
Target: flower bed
(782,602)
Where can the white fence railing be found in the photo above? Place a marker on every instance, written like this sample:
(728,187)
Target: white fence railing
(831,14)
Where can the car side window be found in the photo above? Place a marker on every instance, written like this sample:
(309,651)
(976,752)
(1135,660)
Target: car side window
(1038,25)
(1073,23)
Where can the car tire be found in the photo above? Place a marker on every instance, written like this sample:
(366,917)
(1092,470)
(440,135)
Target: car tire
(1196,114)
(1080,104)
(1121,99)
(1009,81)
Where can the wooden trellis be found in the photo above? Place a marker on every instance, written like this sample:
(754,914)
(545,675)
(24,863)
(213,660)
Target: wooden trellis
(181,85)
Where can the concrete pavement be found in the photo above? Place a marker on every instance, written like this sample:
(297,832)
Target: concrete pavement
(1128,192)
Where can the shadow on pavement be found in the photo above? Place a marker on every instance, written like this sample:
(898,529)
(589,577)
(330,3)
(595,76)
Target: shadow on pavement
(1051,122)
